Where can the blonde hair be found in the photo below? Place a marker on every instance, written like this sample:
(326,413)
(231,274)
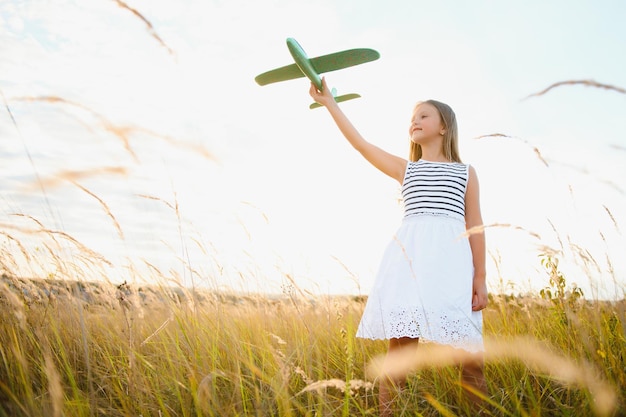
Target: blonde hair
(449,146)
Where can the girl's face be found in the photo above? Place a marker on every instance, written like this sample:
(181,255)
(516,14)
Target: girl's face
(426,124)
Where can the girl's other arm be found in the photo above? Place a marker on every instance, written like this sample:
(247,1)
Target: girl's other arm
(473,218)
(391,165)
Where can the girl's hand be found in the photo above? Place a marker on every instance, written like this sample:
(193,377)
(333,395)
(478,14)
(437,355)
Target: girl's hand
(323,97)
(479,298)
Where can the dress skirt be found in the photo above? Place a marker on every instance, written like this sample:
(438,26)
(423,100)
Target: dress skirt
(423,288)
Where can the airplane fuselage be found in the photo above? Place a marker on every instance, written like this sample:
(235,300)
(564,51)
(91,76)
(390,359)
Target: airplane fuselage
(302,61)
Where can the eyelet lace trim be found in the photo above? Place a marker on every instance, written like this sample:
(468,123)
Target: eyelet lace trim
(456,330)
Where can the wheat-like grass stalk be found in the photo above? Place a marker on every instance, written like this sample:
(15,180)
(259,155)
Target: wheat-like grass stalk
(89,252)
(536,356)
(524,141)
(481,229)
(557,234)
(106,208)
(608,211)
(16,306)
(63,263)
(149,25)
(26,150)
(351,386)
(23,250)
(55,390)
(75,175)
(587,83)
(32,218)
(150,197)
(157,331)
(441,409)
(122,132)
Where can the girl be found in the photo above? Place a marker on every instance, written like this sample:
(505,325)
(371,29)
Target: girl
(431,281)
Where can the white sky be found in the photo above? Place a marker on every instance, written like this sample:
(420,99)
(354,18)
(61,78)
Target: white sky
(284,194)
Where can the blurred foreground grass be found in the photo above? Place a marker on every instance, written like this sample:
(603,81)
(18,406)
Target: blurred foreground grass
(84,349)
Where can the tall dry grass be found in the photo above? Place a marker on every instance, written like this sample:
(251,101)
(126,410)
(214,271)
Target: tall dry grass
(83,349)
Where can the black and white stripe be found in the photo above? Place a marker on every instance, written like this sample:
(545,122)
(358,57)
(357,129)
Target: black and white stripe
(435,188)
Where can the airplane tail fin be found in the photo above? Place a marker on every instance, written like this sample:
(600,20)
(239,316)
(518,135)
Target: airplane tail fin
(338,99)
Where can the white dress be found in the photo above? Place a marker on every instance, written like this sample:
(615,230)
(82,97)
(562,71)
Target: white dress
(423,288)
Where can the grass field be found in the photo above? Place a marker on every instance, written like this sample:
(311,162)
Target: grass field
(81,349)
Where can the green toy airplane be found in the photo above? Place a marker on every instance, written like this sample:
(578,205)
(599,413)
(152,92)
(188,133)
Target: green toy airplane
(313,67)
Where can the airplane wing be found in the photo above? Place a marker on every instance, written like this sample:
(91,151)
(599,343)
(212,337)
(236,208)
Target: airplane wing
(339,99)
(289,72)
(343,59)
(321,64)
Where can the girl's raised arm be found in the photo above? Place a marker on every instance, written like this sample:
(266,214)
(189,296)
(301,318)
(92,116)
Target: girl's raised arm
(390,164)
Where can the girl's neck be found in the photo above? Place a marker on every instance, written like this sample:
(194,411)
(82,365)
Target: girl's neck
(432,151)
(434,156)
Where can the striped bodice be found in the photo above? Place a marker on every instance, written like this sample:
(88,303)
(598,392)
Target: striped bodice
(436,188)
